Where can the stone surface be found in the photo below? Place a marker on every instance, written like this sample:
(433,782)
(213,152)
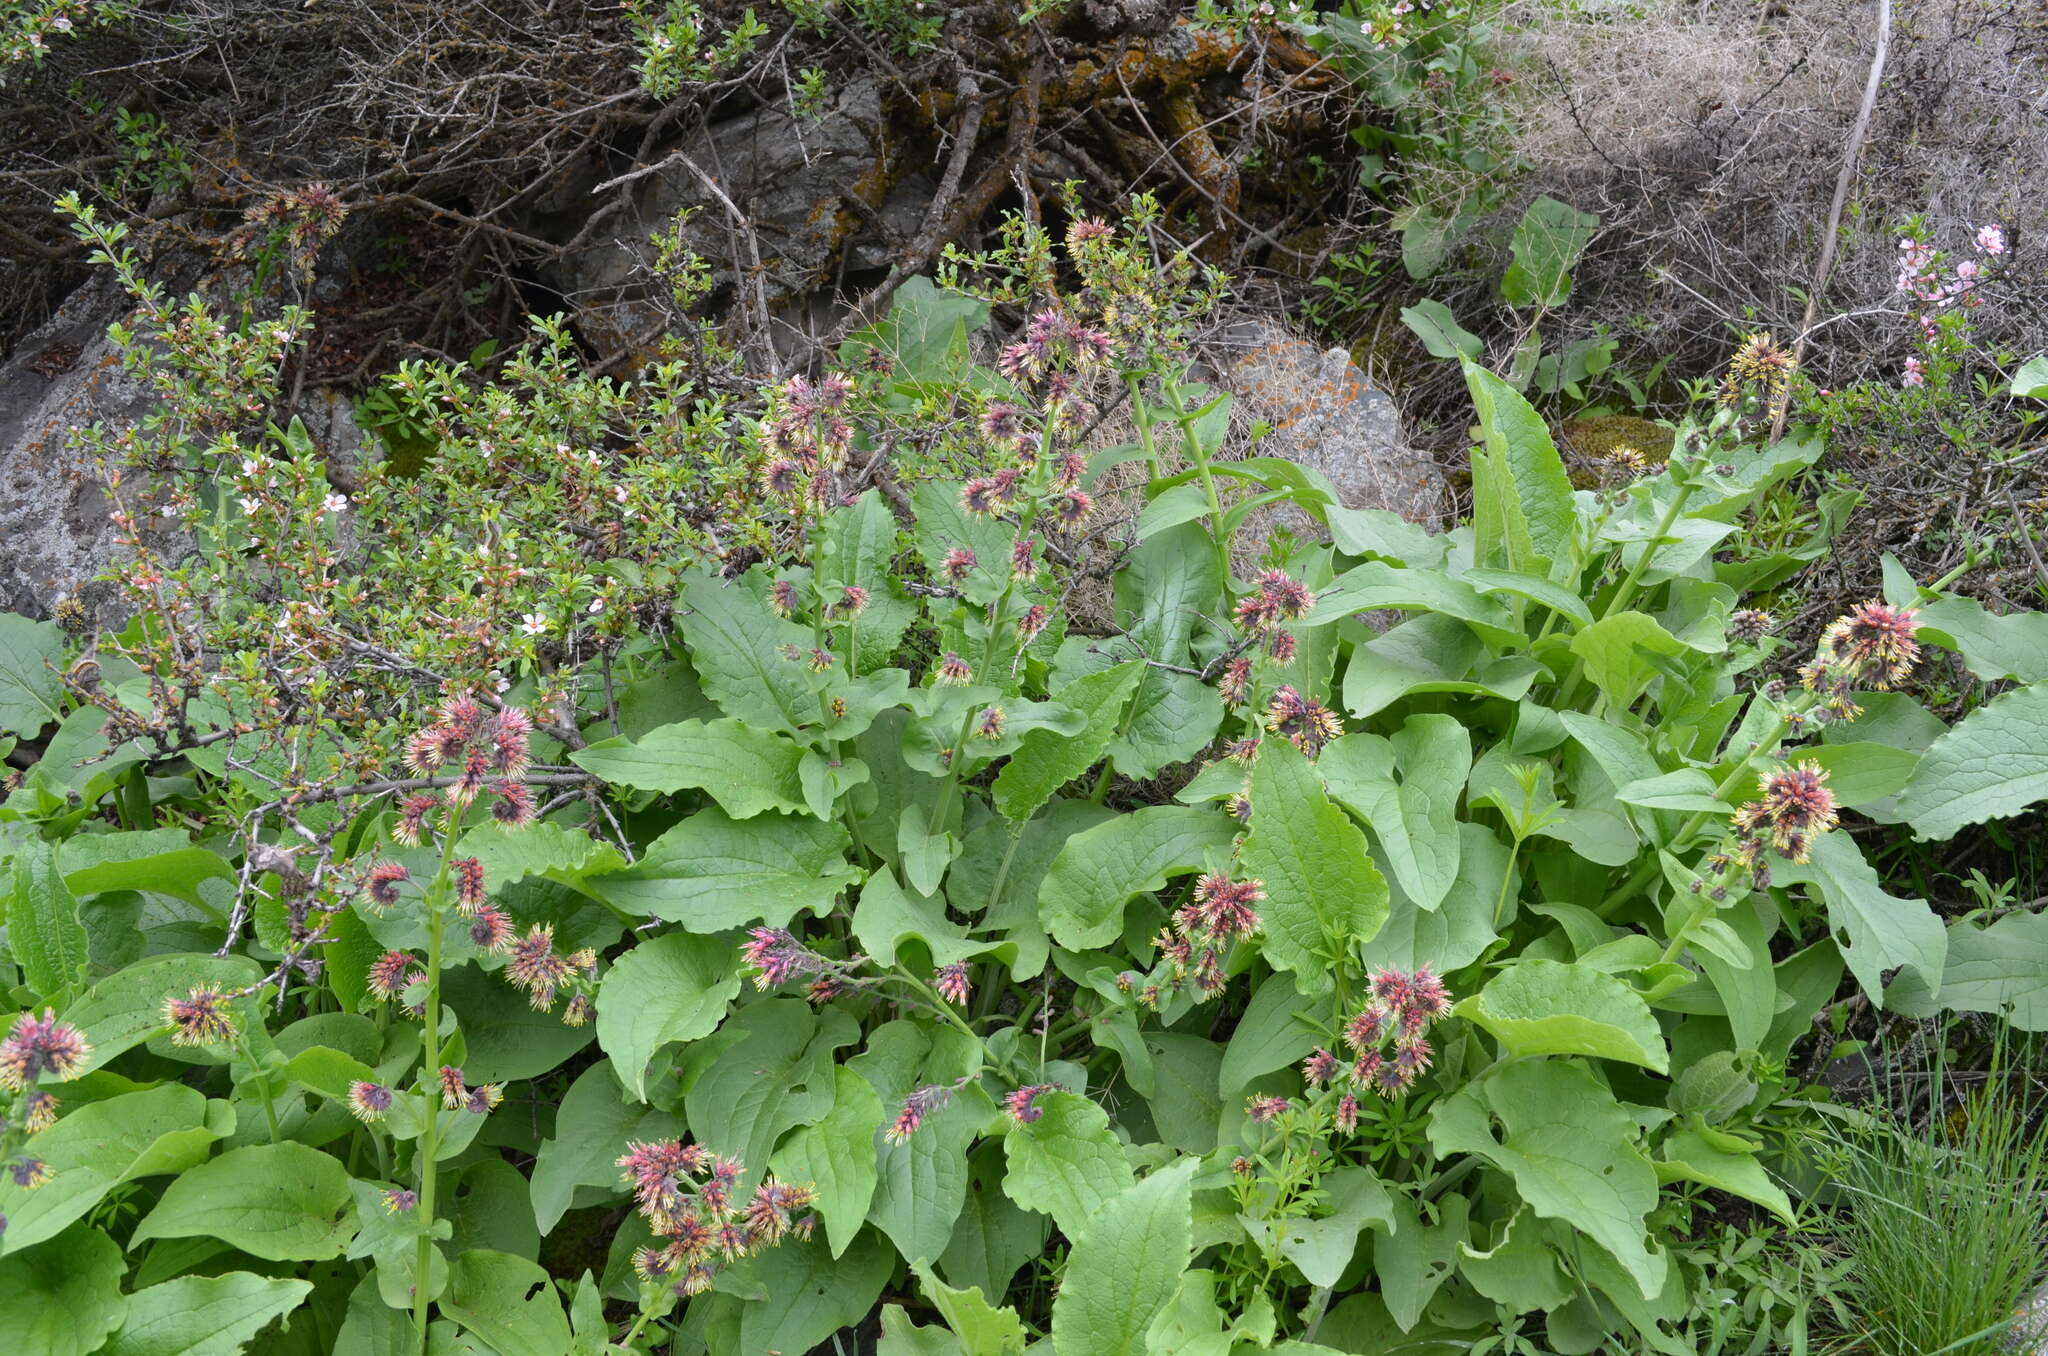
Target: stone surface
(792,178)
(1325,414)
(55,537)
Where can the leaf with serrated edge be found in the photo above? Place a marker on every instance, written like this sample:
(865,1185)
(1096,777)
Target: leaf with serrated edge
(1126,1263)
(1067,1162)
(1323,893)
(1546,1007)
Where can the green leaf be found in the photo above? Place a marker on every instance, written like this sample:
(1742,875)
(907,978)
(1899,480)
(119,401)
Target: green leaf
(31,693)
(1167,583)
(837,1157)
(103,1144)
(1535,588)
(1125,1264)
(921,1184)
(858,547)
(712,872)
(1620,651)
(1185,1105)
(675,987)
(1081,901)
(1046,760)
(1180,504)
(1323,893)
(983,1329)
(808,1296)
(127,1007)
(553,852)
(1686,789)
(1547,242)
(1407,789)
(1523,514)
(1430,653)
(1876,931)
(1269,1036)
(159,860)
(1376,584)
(888,915)
(1992,764)
(1995,648)
(64,1296)
(1066,1163)
(507,1301)
(1860,772)
(1441,334)
(1571,1150)
(1321,1248)
(2031,380)
(943,524)
(1689,1157)
(993,1235)
(736,642)
(2000,969)
(204,1315)
(1460,929)
(1748,992)
(281,1202)
(508,1039)
(593,1120)
(745,770)
(1545,1007)
(43,931)
(776,1074)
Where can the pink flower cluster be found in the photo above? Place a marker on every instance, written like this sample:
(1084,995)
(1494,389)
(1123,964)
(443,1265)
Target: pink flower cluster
(690,1197)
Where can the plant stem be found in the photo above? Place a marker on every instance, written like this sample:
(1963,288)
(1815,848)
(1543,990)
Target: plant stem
(1629,584)
(430,1080)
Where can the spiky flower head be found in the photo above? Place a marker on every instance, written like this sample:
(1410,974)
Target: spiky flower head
(1072,508)
(1749,625)
(775,954)
(1264,1110)
(382,882)
(368,1101)
(1306,722)
(38,1110)
(200,1018)
(951,982)
(1235,683)
(412,818)
(782,598)
(989,724)
(512,804)
(28,1173)
(952,671)
(1222,908)
(1794,808)
(490,928)
(389,974)
(959,563)
(480,1100)
(1875,643)
(533,965)
(1319,1068)
(918,1105)
(1347,1114)
(469,883)
(1758,365)
(1033,621)
(41,1045)
(398,1200)
(1022,1104)
(578,1010)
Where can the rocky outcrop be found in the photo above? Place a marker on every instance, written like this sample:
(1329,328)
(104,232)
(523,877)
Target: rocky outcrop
(1323,413)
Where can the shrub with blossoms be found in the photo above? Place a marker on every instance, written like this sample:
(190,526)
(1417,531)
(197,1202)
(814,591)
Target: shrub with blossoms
(925,867)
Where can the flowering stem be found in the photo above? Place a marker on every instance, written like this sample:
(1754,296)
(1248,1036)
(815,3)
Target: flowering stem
(430,1077)
(262,1085)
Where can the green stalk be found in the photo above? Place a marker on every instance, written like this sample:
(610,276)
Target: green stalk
(1627,592)
(430,1080)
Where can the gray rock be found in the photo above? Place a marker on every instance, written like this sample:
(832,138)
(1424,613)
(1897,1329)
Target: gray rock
(790,177)
(1326,415)
(56,537)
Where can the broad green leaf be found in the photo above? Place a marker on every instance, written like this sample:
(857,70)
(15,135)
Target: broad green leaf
(62,1297)
(1992,764)
(281,1202)
(993,1235)
(1535,588)
(1996,648)
(372,1327)
(43,931)
(507,1301)
(593,1121)
(1432,321)
(837,1156)
(1323,894)
(1748,992)
(1185,1105)
(1125,1264)
(1046,760)
(204,1315)
(1689,1157)
(1376,584)
(1571,1150)
(712,873)
(774,1075)
(1180,504)
(1321,1247)
(1270,1035)
(1066,1163)
(1384,533)
(807,1294)
(1860,772)
(2002,969)
(736,643)
(675,987)
(745,770)
(31,657)
(508,1039)
(1876,931)
(983,1329)
(2032,379)
(1081,901)
(1407,789)
(159,860)
(1547,242)
(887,915)
(1523,512)
(1545,1007)
(1430,653)
(921,1183)
(1520,1269)
(1618,652)
(901,1337)
(858,548)
(553,852)
(944,525)
(1460,929)
(127,1007)
(97,1147)
(1686,789)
